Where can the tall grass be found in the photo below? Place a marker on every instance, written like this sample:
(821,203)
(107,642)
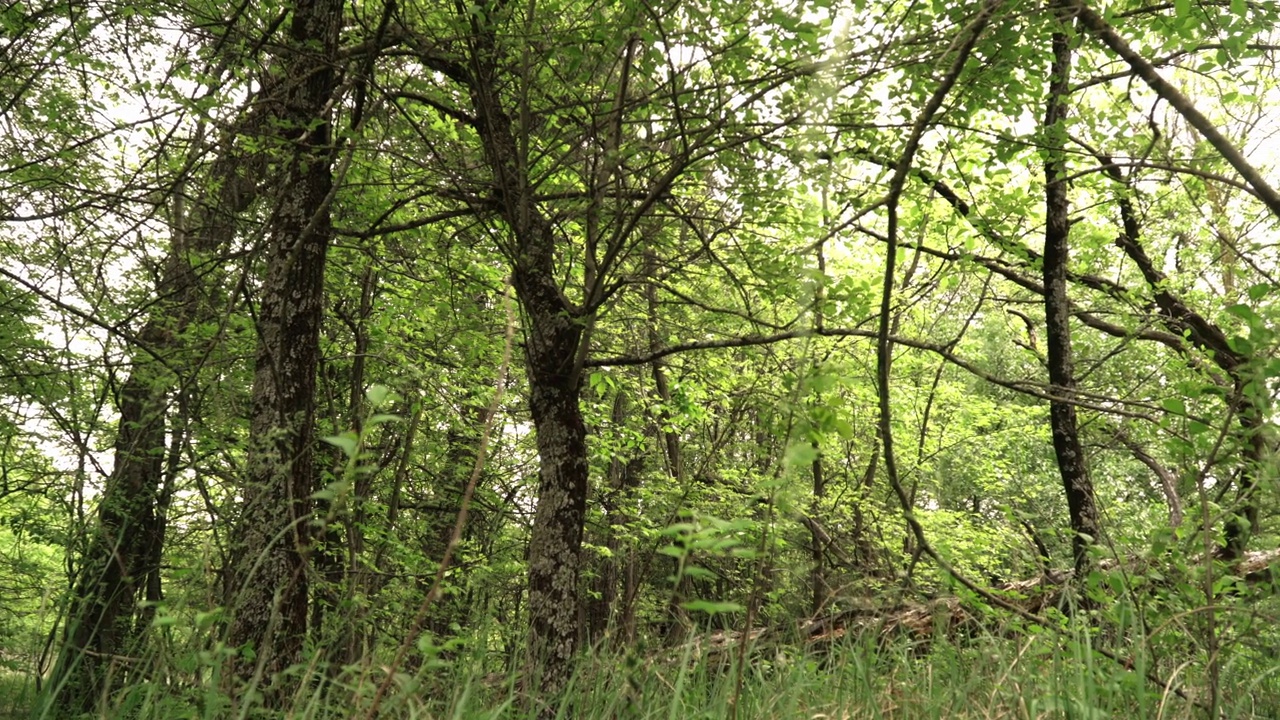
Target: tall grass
(17,694)
(1028,676)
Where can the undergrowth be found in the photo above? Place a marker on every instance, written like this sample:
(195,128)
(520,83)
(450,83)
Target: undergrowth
(1032,677)
(16,695)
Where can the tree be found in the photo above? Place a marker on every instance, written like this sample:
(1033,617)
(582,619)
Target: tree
(268,584)
(548,151)
(1081,503)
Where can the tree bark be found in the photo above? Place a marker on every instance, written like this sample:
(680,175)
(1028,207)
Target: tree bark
(335,622)
(267,586)
(818,573)
(462,446)
(100,625)
(673,455)
(1072,465)
(556,540)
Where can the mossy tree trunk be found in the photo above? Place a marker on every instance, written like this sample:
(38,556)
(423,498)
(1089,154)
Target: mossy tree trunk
(268,582)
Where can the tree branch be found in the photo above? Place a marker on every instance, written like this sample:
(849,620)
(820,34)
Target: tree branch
(1099,27)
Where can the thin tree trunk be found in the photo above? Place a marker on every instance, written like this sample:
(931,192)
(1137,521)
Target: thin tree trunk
(462,445)
(631,567)
(1180,318)
(818,573)
(100,625)
(1072,466)
(268,583)
(672,454)
(624,476)
(345,579)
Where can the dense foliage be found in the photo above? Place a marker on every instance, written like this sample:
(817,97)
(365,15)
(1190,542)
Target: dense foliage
(843,359)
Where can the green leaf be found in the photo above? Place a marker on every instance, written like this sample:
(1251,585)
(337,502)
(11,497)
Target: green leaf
(695,571)
(679,528)
(347,442)
(377,395)
(1116,582)
(1239,8)
(1244,312)
(1240,344)
(1259,291)
(711,608)
(1225,583)
(843,428)
(801,454)
(205,620)
(1174,405)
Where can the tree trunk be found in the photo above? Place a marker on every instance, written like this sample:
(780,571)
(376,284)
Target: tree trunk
(267,586)
(556,540)
(818,573)
(1072,466)
(336,622)
(462,446)
(100,625)
(553,342)
(123,554)
(673,454)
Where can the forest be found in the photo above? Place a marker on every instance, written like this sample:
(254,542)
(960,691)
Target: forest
(825,359)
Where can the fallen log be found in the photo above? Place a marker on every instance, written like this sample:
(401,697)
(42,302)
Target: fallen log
(919,620)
